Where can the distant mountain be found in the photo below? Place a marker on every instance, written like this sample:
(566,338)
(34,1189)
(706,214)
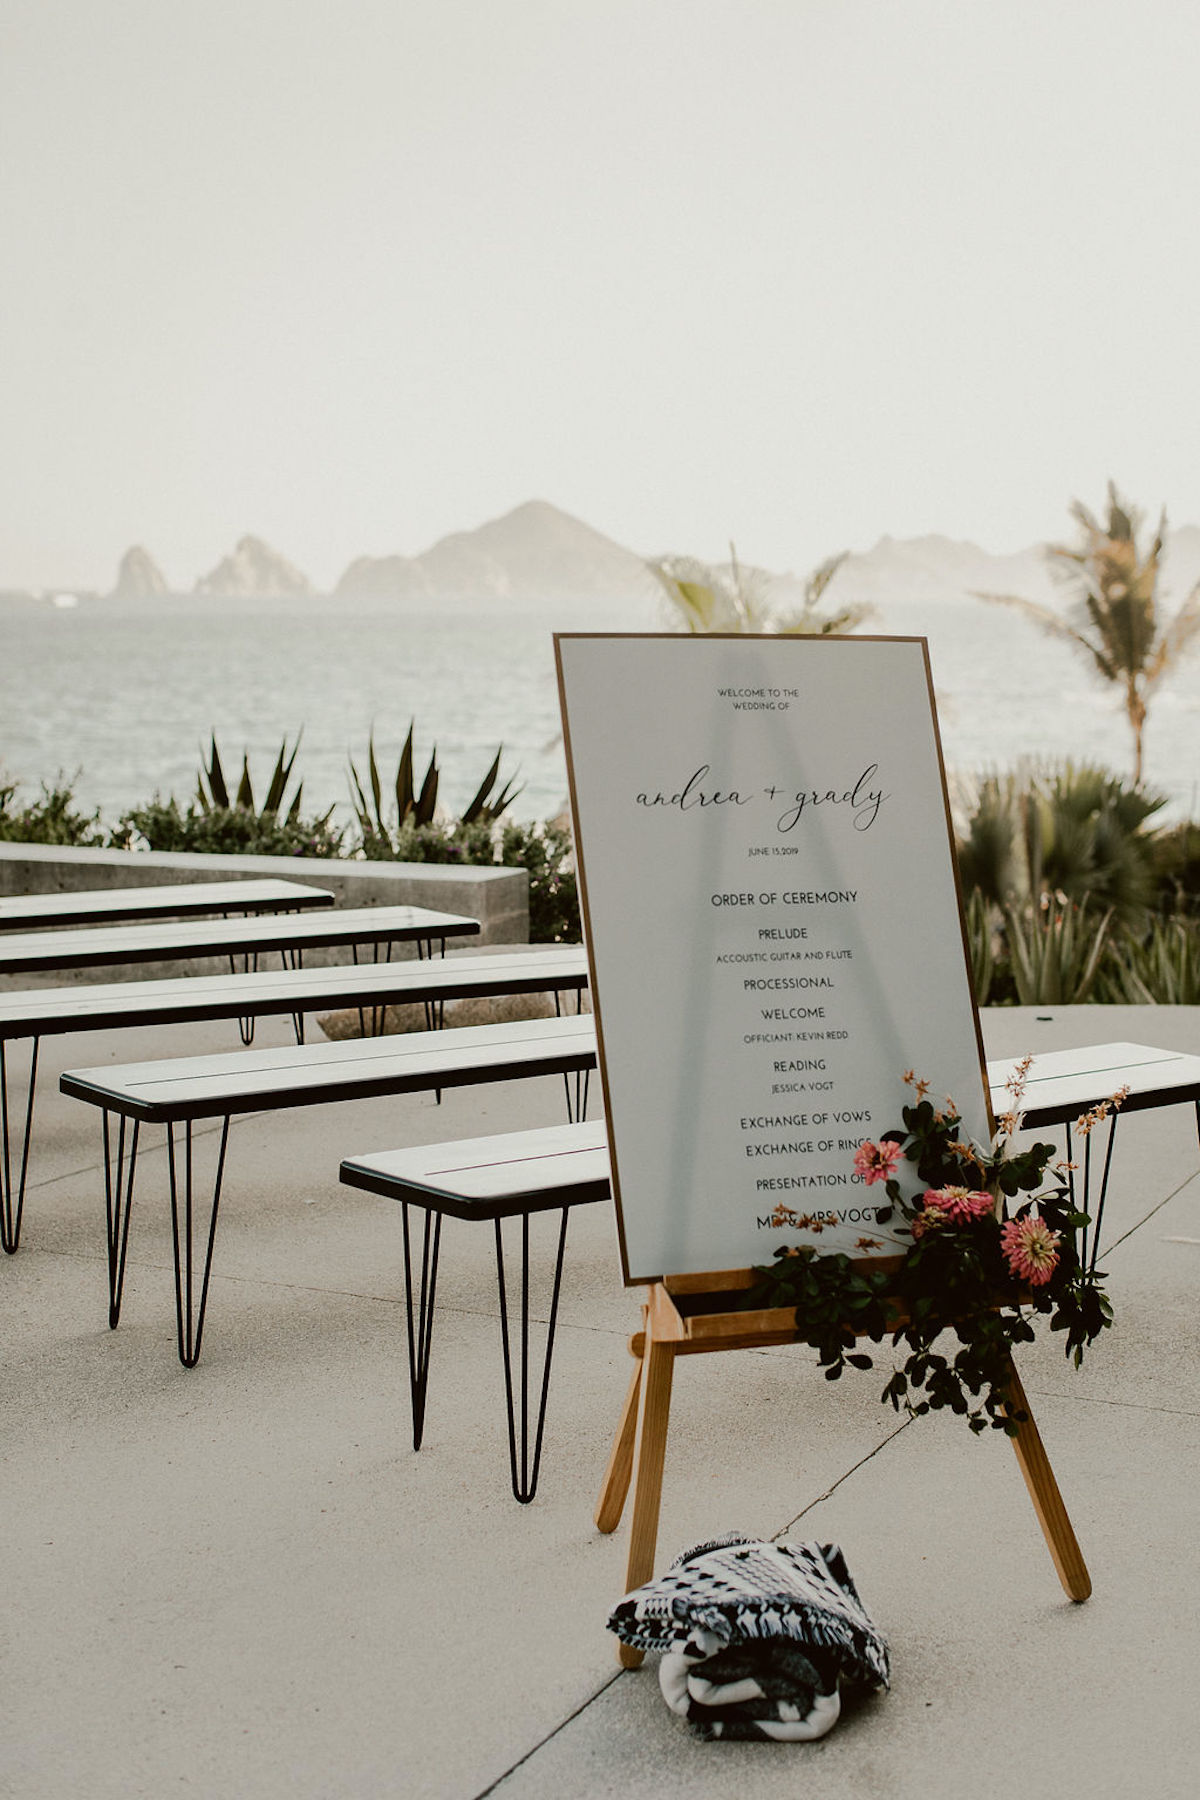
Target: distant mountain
(138,576)
(542,558)
(535,555)
(254,571)
(907,575)
(937,570)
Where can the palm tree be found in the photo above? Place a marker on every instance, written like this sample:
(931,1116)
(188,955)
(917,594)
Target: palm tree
(710,597)
(1113,617)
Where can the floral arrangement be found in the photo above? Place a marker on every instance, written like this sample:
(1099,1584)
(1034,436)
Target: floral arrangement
(980,1261)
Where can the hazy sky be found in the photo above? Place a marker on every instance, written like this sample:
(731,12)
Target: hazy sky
(351,274)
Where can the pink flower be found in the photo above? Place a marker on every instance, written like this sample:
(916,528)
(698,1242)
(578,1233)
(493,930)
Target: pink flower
(876,1162)
(1030,1249)
(959,1204)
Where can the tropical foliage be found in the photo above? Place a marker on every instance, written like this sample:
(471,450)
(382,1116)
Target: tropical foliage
(1071,892)
(1074,830)
(1114,616)
(713,597)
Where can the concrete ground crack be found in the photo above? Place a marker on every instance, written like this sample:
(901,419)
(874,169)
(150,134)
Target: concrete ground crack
(819,1499)
(550,1736)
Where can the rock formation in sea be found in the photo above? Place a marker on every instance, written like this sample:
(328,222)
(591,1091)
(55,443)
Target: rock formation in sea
(254,571)
(139,576)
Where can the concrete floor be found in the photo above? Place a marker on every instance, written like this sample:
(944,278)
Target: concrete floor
(240,1581)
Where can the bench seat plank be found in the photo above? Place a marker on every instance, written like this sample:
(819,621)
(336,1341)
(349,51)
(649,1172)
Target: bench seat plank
(179,899)
(169,940)
(205,1087)
(1064,1084)
(247,1081)
(46,1012)
(493,1177)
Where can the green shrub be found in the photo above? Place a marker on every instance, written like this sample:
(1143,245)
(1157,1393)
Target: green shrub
(216,824)
(437,841)
(546,851)
(1175,859)
(543,850)
(51,819)
(225,831)
(1160,967)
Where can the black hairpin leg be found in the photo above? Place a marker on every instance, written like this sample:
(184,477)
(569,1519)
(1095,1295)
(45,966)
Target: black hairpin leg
(577,1100)
(435,1010)
(12,1201)
(576,1085)
(291,956)
(189,1312)
(1089,1248)
(249,966)
(118,1200)
(1098,1215)
(372,1020)
(524,1467)
(420,1324)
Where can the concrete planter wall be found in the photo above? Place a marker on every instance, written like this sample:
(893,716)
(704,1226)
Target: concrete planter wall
(498,898)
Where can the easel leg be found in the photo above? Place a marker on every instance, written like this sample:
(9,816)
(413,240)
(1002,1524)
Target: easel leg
(615,1485)
(658,1366)
(1047,1501)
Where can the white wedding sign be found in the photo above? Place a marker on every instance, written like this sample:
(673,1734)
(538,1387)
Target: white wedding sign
(774,929)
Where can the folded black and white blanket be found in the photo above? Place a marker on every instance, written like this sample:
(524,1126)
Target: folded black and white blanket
(758,1639)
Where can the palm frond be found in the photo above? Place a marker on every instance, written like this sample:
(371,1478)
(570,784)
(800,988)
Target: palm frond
(1179,634)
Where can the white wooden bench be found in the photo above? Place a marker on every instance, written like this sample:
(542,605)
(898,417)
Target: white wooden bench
(523,1173)
(31,1014)
(182,1091)
(178,900)
(492,1179)
(164,940)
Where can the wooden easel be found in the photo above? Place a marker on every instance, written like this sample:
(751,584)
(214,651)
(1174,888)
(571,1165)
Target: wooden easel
(687,1315)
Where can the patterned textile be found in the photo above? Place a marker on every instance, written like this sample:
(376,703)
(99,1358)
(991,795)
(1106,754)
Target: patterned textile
(758,1638)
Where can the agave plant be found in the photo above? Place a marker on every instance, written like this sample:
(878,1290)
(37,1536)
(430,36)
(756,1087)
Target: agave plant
(1160,969)
(982,941)
(487,807)
(212,789)
(417,805)
(1054,951)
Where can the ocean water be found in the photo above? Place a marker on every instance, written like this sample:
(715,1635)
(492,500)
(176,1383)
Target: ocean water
(123,697)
